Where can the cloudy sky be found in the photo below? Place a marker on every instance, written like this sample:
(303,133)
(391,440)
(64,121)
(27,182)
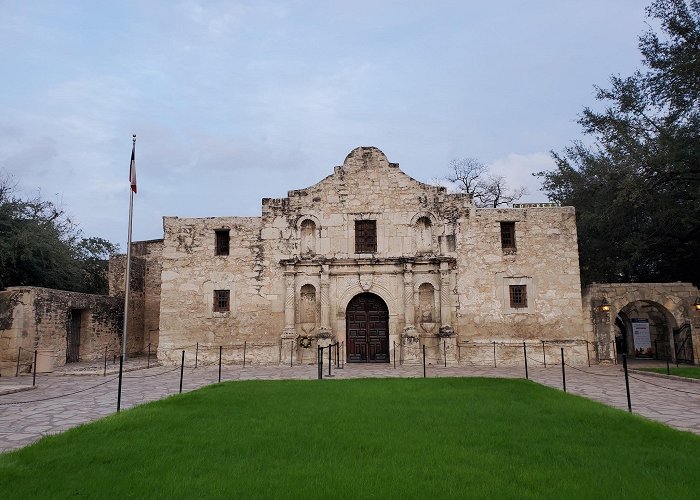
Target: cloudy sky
(235,101)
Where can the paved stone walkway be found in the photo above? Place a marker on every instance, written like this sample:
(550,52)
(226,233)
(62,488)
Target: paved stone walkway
(61,401)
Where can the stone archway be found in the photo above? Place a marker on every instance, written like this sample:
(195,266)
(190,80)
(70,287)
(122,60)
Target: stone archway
(644,330)
(367,329)
(673,320)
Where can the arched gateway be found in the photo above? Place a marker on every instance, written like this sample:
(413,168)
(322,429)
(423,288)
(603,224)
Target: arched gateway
(367,318)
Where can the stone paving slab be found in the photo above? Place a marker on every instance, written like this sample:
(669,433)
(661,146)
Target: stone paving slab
(60,402)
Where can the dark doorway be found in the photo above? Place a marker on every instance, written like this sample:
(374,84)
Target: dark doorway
(367,329)
(73,348)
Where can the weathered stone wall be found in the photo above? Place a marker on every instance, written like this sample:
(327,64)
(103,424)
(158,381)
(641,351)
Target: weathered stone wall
(144,292)
(191,272)
(674,302)
(438,265)
(545,259)
(40,318)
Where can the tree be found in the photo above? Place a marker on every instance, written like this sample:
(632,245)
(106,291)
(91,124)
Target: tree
(41,246)
(636,187)
(472,177)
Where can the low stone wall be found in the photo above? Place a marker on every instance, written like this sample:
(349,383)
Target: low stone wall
(40,318)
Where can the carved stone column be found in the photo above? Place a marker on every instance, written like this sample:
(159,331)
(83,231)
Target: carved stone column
(408,304)
(445,319)
(289,313)
(325,301)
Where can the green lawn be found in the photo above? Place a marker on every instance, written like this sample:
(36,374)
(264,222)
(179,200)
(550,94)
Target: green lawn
(366,438)
(681,371)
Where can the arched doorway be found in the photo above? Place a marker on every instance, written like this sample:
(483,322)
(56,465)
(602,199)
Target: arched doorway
(644,330)
(367,330)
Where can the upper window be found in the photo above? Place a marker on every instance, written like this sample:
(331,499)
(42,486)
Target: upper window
(508,235)
(518,296)
(222,300)
(222,241)
(365,236)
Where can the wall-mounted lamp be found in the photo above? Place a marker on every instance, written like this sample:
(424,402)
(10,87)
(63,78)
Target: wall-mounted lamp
(605,305)
(697,304)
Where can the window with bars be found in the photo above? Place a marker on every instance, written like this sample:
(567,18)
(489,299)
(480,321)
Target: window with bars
(222,300)
(508,235)
(518,296)
(222,241)
(365,236)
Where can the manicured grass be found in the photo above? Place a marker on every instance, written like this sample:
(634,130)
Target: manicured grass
(681,371)
(367,438)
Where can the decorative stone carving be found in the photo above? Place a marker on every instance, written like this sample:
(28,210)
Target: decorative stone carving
(366,281)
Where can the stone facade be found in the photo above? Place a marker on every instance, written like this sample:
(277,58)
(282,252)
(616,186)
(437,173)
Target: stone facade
(41,319)
(668,308)
(441,267)
(144,292)
(368,251)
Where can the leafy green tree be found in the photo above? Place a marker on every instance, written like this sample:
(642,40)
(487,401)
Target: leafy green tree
(636,182)
(41,246)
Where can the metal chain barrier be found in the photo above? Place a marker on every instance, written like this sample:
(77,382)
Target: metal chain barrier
(60,396)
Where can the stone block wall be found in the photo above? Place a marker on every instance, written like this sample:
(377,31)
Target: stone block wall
(144,292)
(545,260)
(438,265)
(40,318)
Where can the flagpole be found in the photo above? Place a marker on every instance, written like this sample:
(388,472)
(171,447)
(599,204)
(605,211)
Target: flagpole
(128,256)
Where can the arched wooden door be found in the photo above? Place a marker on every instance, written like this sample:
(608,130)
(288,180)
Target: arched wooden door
(367,318)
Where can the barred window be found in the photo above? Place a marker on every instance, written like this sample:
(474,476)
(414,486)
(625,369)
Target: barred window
(222,300)
(518,296)
(508,235)
(365,236)
(222,241)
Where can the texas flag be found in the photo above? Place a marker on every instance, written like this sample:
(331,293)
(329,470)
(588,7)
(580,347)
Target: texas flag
(132,171)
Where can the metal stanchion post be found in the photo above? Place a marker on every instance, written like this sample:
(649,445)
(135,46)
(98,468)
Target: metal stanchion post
(588,354)
(668,367)
(196,354)
(444,351)
(330,362)
(527,377)
(627,382)
(563,372)
(148,360)
(104,373)
(544,355)
(182,369)
(393,356)
(34,370)
(245,346)
(291,354)
(119,389)
(319,362)
(19,355)
(220,349)
(423,360)
(494,354)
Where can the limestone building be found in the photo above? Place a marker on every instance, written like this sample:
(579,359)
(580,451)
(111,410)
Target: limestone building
(373,259)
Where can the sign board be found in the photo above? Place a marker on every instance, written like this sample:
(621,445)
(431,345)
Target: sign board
(642,338)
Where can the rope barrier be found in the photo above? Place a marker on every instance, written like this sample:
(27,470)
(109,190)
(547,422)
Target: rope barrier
(58,397)
(592,373)
(152,375)
(663,387)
